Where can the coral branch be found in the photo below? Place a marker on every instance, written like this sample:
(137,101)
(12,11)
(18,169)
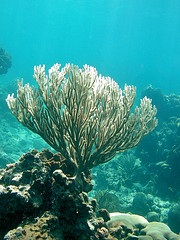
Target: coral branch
(85,117)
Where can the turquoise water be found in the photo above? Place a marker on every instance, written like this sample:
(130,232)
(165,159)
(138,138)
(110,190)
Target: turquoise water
(133,41)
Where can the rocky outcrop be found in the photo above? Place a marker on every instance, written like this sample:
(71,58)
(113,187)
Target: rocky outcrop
(40,200)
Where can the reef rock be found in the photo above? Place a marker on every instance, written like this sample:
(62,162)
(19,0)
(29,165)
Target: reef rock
(140,204)
(40,200)
(36,191)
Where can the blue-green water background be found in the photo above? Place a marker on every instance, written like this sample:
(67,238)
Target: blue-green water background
(133,41)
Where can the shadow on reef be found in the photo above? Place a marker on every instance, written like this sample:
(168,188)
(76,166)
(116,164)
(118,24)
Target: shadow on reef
(40,201)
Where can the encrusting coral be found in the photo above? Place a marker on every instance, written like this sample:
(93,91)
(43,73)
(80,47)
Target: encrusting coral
(85,117)
(159,231)
(137,227)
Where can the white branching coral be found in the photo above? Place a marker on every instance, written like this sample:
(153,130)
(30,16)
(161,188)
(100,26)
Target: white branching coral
(85,117)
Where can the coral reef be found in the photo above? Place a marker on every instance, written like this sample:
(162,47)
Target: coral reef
(160,151)
(131,226)
(39,228)
(129,220)
(85,117)
(174,218)
(16,140)
(40,201)
(168,105)
(123,170)
(36,190)
(140,204)
(3,94)
(108,201)
(5,61)
(159,231)
(153,167)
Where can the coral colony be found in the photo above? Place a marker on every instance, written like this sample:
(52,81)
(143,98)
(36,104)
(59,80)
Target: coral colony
(87,119)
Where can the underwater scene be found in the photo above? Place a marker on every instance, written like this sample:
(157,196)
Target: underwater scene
(90,119)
